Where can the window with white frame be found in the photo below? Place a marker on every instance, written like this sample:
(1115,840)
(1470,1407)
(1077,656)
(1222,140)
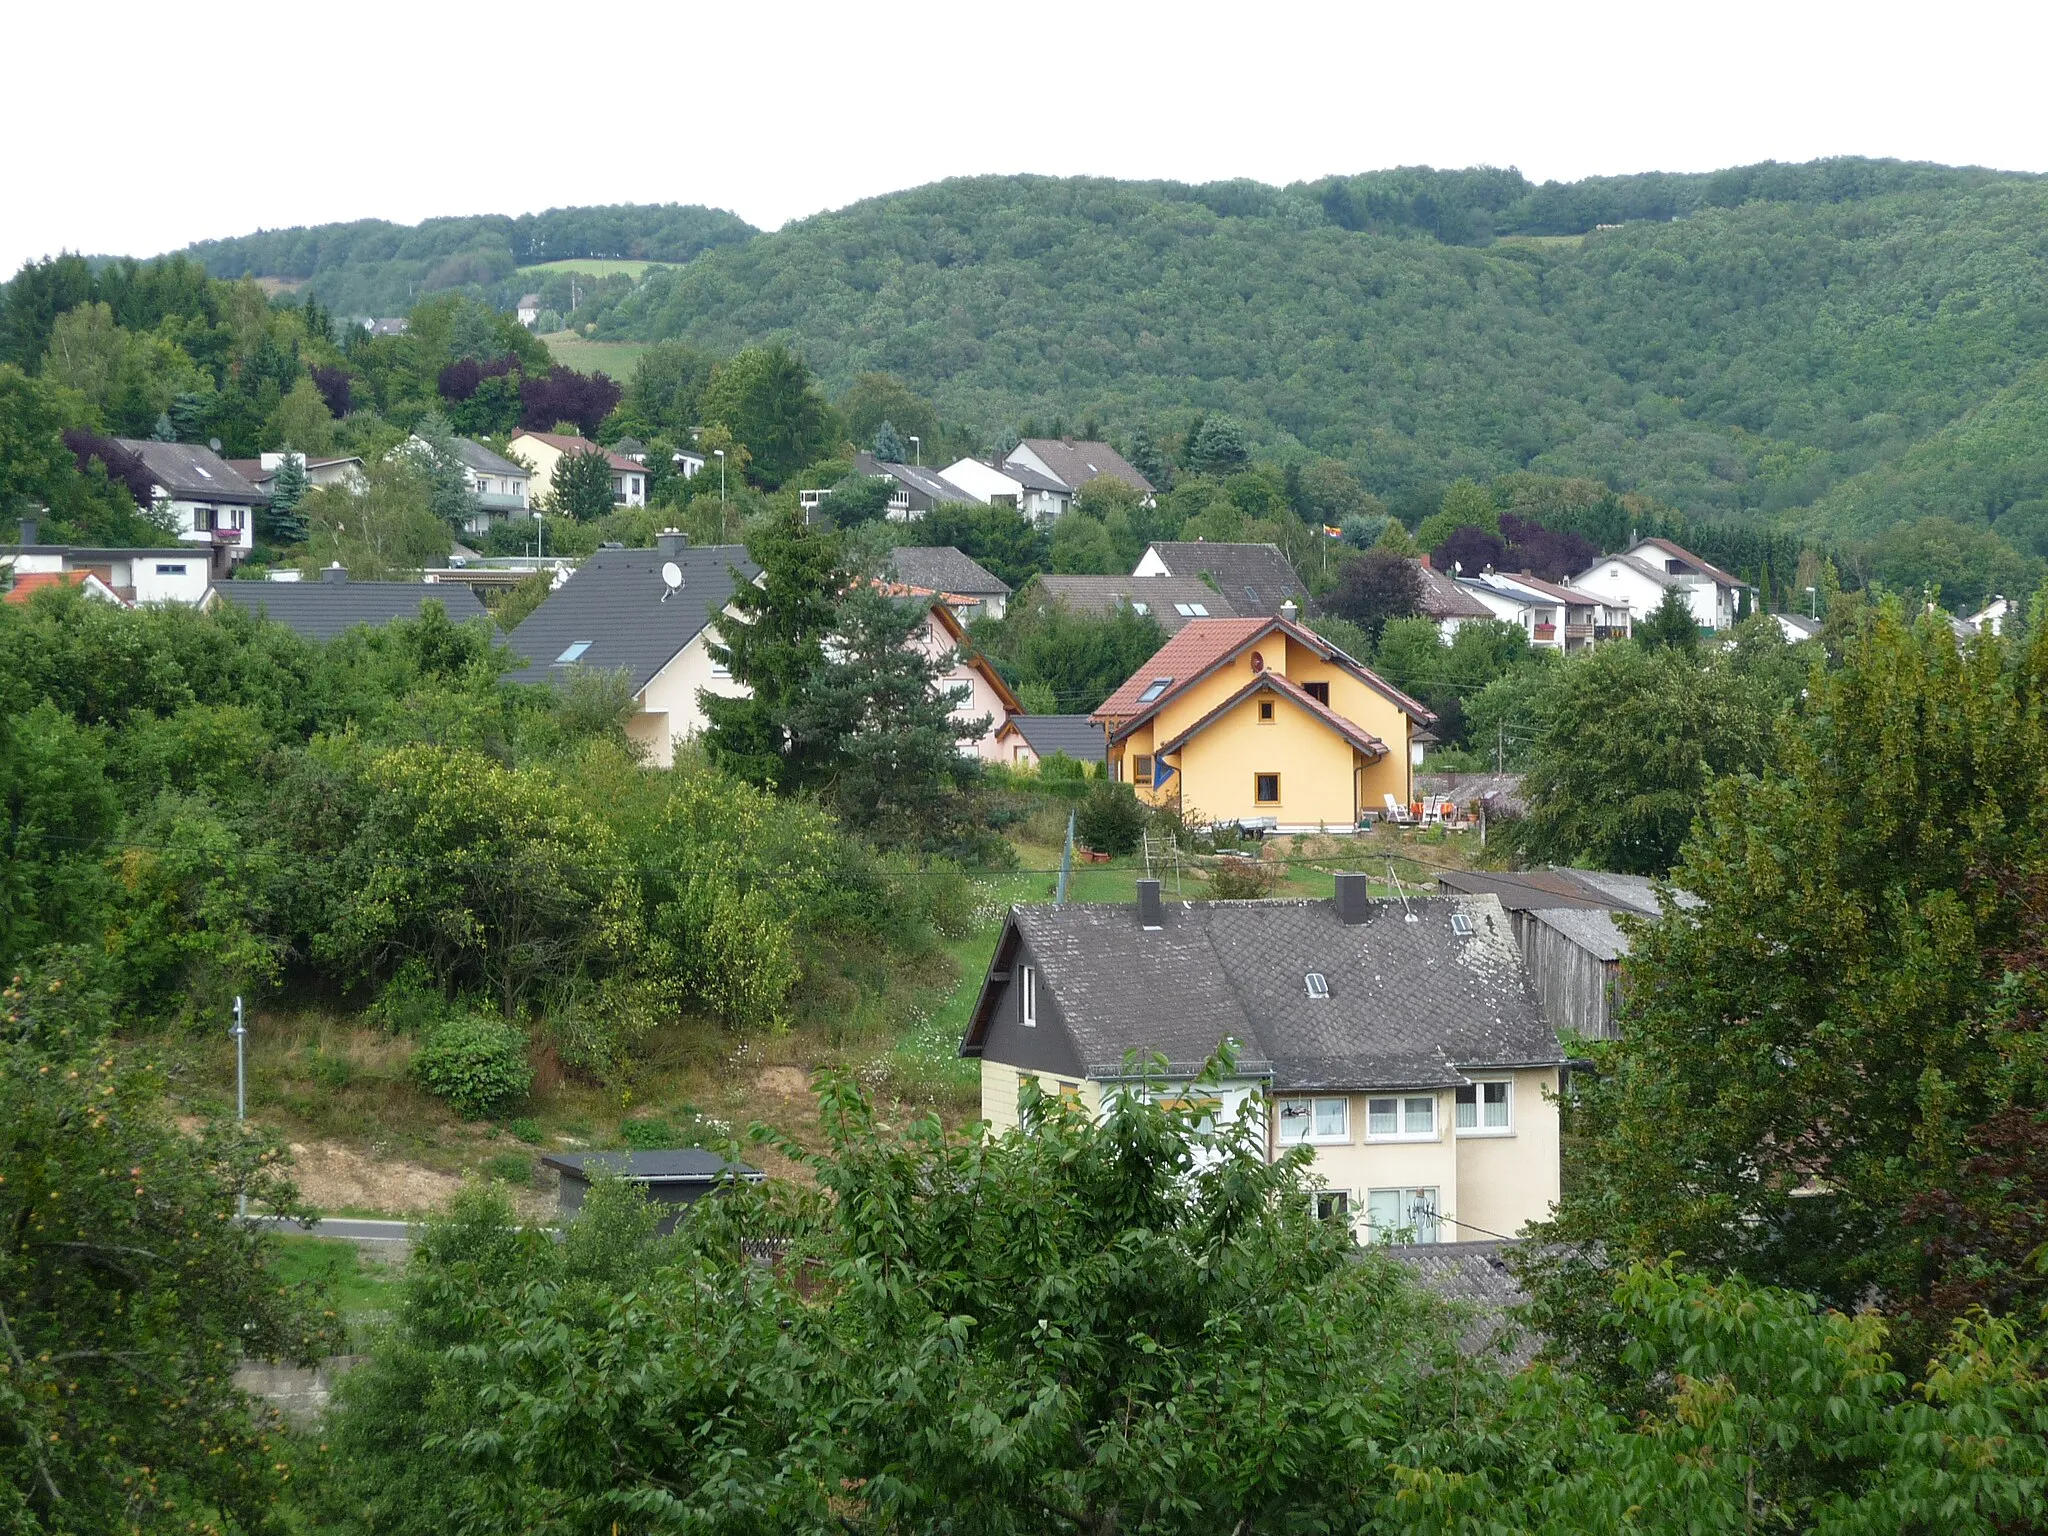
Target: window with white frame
(1401,1215)
(1309,1120)
(1027,996)
(1333,1205)
(1486,1108)
(1410,1117)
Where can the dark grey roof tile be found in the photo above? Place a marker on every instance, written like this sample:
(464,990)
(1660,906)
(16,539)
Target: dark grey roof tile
(618,608)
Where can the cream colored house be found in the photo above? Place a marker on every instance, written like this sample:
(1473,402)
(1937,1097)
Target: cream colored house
(619,613)
(1399,1041)
(542,451)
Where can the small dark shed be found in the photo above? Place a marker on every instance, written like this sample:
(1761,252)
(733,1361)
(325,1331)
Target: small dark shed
(677,1177)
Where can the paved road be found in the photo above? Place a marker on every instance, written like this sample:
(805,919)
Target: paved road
(358,1229)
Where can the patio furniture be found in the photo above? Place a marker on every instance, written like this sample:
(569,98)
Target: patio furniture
(1396,812)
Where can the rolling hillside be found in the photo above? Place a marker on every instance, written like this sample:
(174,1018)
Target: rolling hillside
(1846,344)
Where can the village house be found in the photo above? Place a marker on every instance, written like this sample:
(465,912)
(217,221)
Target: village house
(1073,463)
(1262,723)
(1173,600)
(976,689)
(131,576)
(320,473)
(546,450)
(528,309)
(1034,495)
(1564,925)
(1028,740)
(1637,579)
(954,574)
(619,613)
(211,506)
(1251,578)
(915,493)
(1552,617)
(1398,1041)
(320,609)
(1443,602)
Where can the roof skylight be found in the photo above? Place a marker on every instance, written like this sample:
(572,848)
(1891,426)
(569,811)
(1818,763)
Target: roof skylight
(1191,610)
(573,653)
(1154,689)
(1318,984)
(1461,925)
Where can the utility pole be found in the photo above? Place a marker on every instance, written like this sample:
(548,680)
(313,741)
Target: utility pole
(1500,746)
(719,454)
(241,1033)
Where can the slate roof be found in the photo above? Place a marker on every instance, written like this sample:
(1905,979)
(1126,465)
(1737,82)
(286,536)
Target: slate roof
(189,471)
(927,482)
(1102,595)
(485,462)
(678,1165)
(320,610)
(1594,931)
(1077,463)
(942,568)
(615,603)
(1440,597)
(1254,578)
(1031,479)
(1410,1005)
(1205,644)
(1473,1276)
(1074,736)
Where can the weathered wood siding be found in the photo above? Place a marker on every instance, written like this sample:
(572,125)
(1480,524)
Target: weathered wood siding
(1577,989)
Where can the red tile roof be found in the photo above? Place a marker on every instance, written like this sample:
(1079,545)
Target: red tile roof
(562,442)
(1200,645)
(29,583)
(1206,644)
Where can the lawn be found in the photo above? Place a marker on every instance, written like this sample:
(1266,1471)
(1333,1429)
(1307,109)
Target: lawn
(596,266)
(362,1289)
(613,357)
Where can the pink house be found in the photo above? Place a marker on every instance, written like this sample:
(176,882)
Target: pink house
(977,689)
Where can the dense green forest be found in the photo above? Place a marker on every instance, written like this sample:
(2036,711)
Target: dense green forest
(373,267)
(1847,345)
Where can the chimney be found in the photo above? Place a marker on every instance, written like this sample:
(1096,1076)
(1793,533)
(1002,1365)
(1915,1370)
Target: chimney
(336,573)
(670,544)
(1151,910)
(1354,899)
(31,526)
(1424,558)
(1290,611)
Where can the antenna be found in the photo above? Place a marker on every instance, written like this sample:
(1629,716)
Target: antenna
(672,579)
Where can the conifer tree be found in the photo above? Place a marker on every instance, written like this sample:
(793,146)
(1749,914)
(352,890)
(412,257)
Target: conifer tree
(888,445)
(281,522)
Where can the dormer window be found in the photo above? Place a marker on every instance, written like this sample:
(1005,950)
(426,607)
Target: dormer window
(1318,984)
(1154,689)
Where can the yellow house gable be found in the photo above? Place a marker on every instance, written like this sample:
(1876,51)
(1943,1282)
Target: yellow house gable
(1267,723)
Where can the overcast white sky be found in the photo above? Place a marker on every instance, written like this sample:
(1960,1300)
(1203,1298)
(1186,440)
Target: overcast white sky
(142,128)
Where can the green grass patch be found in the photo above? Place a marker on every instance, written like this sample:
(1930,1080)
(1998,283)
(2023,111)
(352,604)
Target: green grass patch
(595,266)
(355,1283)
(616,358)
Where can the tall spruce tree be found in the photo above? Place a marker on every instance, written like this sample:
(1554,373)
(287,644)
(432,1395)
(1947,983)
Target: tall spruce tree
(888,446)
(773,639)
(433,449)
(281,521)
(1670,625)
(582,487)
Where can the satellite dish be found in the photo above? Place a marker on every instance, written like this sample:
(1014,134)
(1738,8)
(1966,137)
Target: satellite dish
(672,579)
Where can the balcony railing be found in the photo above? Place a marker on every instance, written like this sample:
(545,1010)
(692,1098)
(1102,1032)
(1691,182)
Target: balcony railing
(1546,631)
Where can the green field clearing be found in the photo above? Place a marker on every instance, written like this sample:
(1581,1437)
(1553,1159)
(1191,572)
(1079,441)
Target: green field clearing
(613,357)
(594,266)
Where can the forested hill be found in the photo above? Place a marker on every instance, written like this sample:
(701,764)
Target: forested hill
(371,267)
(1860,341)
(1849,343)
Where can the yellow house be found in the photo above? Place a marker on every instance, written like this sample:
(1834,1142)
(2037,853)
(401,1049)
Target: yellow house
(1399,1042)
(1261,721)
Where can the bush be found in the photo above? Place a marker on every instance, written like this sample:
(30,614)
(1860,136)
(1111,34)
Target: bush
(528,1131)
(509,1168)
(475,1062)
(1111,820)
(1241,880)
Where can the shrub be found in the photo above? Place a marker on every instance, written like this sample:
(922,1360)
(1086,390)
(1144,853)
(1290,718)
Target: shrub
(331,1071)
(475,1062)
(647,1133)
(528,1131)
(1241,880)
(1111,820)
(509,1167)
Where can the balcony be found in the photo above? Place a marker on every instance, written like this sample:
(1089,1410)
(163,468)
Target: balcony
(500,501)
(1610,631)
(1544,634)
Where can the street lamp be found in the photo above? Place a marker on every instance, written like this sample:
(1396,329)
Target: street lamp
(1812,605)
(916,452)
(719,454)
(241,1033)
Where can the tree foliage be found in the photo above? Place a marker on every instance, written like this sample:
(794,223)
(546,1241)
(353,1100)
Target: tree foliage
(581,488)
(766,398)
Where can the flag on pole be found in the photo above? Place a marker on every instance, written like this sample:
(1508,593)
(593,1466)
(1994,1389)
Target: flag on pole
(1332,533)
